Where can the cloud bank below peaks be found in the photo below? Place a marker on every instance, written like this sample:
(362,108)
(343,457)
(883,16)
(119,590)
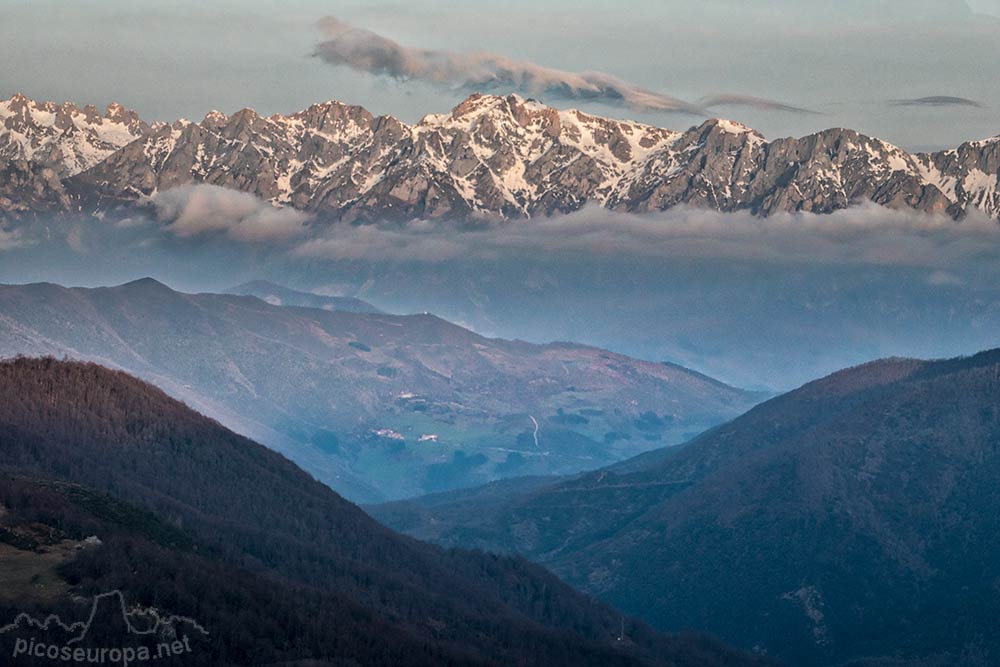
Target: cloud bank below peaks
(868,235)
(865,235)
(194,210)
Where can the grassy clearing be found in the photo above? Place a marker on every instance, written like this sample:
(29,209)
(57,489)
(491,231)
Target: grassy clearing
(33,574)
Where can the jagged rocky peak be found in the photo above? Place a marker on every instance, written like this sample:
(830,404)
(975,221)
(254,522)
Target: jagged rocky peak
(721,125)
(524,111)
(117,113)
(491,155)
(18,105)
(538,133)
(513,111)
(63,137)
(331,116)
(215,120)
(990,142)
(495,121)
(244,125)
(719,135)
(67,114)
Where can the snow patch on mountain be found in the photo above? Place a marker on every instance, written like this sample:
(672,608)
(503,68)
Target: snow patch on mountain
(62,136)
(499,157)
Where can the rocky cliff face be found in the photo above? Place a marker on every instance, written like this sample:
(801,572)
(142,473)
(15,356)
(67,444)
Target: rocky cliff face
(42,144)
(492,157)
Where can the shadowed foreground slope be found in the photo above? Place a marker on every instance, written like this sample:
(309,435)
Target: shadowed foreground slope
(855,517)
(251,515)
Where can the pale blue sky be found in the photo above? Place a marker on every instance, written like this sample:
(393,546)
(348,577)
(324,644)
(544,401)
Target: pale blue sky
(845,59)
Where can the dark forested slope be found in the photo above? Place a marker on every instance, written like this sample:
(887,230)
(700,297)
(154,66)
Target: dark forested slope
(249,510)
(856,517)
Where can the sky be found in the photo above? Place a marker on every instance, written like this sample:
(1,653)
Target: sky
(918,73)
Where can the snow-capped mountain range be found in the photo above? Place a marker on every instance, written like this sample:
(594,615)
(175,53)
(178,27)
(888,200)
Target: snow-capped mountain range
(491,156)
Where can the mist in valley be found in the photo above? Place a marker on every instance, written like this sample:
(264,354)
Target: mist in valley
(759,303)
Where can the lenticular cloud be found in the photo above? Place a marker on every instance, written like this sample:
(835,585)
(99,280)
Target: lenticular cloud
(369,52)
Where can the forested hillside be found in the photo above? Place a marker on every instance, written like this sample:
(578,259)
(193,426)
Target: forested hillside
(253,515)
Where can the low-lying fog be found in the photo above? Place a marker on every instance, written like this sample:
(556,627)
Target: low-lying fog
(755,302)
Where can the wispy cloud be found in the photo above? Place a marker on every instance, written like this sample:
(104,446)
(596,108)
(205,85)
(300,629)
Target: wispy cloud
(937,101)
(10,239)
(944,279)
(369,52)
(193,210)
(759,103)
